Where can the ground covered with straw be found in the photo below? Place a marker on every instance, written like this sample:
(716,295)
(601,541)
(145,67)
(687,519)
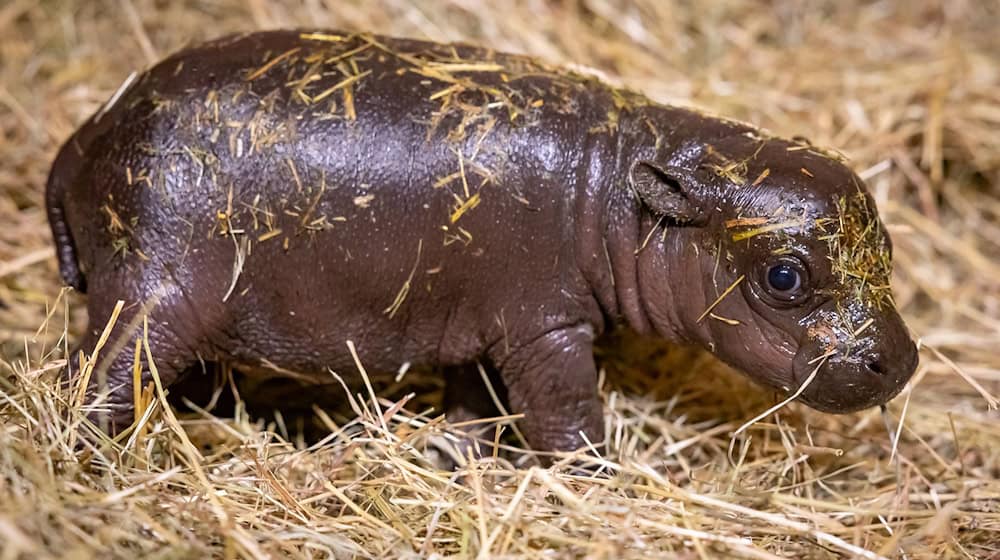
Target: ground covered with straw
(909,91)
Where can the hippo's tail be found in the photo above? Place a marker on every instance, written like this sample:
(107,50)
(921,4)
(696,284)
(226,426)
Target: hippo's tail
(64,171)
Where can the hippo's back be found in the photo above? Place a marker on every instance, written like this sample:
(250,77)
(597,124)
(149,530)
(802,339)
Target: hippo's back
(389,183)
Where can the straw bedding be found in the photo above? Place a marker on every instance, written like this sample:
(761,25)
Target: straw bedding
(909,91)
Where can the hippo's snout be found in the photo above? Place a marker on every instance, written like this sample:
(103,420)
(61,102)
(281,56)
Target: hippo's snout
(860,371)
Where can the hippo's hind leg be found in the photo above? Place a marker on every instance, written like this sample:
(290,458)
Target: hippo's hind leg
(173,344)
(552,380)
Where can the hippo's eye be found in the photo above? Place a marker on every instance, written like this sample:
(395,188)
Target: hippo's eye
(786,279)
(783,278)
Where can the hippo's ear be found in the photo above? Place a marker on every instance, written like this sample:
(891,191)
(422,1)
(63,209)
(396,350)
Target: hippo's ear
(668,191)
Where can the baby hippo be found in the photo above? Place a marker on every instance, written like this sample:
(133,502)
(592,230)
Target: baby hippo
(268,197)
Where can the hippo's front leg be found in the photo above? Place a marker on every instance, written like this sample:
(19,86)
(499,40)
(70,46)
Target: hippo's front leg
(552,381)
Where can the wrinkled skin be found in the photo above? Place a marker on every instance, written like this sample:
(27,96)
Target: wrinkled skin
(266,198)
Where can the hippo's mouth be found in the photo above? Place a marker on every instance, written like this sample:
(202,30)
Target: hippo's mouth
(840,385)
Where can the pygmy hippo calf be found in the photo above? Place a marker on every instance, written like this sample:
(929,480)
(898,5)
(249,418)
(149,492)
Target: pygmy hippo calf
(265,198)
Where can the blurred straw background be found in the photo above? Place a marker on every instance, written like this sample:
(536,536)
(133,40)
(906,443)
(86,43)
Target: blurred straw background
(910,91)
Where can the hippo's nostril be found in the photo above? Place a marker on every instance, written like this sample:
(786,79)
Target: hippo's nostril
(875,367)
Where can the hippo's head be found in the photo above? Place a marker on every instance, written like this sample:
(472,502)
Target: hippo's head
(778,263)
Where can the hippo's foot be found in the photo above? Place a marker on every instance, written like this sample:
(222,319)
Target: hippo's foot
(552,381)
(121,371)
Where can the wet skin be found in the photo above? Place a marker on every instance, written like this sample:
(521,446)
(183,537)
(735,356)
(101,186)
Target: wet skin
(267,197)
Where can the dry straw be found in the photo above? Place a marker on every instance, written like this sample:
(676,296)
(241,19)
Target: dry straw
(910,91)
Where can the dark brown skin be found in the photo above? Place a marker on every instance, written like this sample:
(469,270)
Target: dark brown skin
(447,205)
